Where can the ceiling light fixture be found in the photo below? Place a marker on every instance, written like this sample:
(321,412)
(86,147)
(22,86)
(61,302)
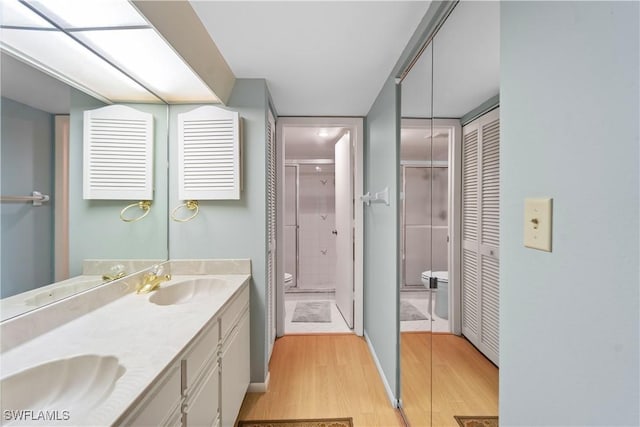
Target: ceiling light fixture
(107,49)
(323,133)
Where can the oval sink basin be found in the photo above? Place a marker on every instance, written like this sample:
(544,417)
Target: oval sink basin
(58,292)
(64,388)
(187,291)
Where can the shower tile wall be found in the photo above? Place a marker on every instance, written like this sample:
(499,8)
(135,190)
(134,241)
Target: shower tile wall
(316,204)
(315,221)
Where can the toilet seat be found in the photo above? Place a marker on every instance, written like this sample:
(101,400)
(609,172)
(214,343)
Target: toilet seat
(442,276)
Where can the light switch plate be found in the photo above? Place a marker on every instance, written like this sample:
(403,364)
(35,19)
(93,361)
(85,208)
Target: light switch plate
(537,223)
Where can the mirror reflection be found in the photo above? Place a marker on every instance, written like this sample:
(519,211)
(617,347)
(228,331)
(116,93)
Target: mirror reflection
(450,173)
(416,231)
(67,244)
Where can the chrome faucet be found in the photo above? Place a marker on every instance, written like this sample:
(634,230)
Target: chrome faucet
(151,280)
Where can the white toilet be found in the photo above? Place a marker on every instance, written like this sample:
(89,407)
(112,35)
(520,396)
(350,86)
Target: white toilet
(441,308)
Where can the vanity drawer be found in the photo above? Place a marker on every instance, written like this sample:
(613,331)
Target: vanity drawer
(162,405)
(201,352)
(232,313)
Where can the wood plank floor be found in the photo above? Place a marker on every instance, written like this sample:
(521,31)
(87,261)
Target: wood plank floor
(453,379)
(330,376)
(323,376)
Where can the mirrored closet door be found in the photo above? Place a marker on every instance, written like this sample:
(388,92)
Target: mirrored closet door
(417,229)
(449,256)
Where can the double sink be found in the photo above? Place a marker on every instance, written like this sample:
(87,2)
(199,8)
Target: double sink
(52,391)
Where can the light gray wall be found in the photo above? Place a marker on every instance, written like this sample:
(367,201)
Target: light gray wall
(381,160)
(569,113)
(95,227)
(27,230)
(233,228)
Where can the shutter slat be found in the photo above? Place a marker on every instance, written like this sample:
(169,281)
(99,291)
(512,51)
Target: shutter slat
(490,317)
(491,183)
(470,184)
(209,154)
(470,290)
(118,160)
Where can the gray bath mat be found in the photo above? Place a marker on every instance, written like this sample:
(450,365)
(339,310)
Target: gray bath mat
(312,311)
(409,311)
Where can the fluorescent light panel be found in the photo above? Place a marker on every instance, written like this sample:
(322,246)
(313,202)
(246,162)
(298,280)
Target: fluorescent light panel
(15,14)
(71,14)
(141,52)
(146,57)
(66,59)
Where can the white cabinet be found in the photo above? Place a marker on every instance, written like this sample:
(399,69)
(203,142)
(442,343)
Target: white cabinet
(234,365)
(207,383)
(161,406)
(202,407)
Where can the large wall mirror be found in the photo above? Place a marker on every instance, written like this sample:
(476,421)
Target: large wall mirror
(449,257)
(67,244)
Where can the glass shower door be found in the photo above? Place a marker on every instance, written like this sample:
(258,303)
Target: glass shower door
(291,225)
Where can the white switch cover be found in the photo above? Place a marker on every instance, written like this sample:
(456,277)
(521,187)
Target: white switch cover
(537,223)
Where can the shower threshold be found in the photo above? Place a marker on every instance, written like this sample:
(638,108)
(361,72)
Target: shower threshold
(295,290)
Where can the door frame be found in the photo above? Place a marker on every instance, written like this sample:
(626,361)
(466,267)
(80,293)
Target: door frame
(356,127)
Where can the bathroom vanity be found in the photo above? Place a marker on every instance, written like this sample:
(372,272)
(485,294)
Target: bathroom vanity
(178,356)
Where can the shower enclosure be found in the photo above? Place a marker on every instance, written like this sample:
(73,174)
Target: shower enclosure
(425,209)
(424,235)
(310,247)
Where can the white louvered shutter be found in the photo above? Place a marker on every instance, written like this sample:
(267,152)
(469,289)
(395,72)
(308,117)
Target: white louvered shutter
(209,154)
(470,231)
(271,232)
(481,234)
(490,236)
(117,154)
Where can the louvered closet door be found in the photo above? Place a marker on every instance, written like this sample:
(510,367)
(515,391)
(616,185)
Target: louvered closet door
(470,232)
(271,233)
(481,238)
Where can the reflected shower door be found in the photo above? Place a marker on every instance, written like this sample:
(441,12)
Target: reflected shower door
(291,223)
(425,216)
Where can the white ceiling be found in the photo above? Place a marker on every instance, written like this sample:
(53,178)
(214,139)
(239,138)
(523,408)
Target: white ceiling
(308,143)
(462,64)
(466,59)
(320,58)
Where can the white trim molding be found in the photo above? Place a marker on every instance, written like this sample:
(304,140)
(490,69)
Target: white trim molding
(260,387)
(394,402)
(355,125)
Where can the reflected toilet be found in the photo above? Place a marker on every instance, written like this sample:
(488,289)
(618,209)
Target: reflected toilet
(441,306)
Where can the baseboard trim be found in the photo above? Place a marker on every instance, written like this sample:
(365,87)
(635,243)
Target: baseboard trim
(390,395)
(259,387)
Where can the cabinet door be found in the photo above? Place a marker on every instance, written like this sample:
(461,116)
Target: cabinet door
(202,410)
(234,369)
(161,406)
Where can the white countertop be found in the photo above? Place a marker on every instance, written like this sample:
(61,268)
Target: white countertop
(25,301)
(145,337)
